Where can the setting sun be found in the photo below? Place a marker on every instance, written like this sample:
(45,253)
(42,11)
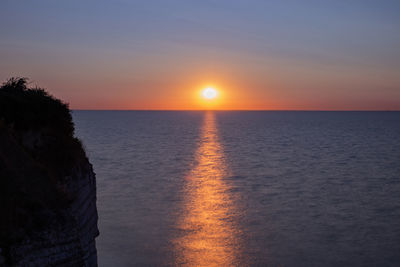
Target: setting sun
(209,93)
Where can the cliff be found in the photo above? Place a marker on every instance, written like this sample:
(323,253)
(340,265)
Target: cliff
(47,184)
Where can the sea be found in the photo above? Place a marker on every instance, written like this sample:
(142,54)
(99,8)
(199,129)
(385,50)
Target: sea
(245,188)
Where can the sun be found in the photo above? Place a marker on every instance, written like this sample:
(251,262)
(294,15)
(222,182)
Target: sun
(209,93)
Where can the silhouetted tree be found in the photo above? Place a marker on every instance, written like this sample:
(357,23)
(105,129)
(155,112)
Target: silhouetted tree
(32,107)
(24,109)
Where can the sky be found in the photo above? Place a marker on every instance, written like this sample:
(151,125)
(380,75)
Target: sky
(262,55)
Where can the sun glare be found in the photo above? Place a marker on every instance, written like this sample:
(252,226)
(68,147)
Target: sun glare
(209,93)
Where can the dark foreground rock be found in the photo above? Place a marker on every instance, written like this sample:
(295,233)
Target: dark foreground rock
(48,214)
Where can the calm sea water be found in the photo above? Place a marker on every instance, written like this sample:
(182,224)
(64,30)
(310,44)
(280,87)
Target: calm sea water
(245,188)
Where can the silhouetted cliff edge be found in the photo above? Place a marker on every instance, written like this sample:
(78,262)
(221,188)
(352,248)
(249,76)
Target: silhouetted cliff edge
(48,212)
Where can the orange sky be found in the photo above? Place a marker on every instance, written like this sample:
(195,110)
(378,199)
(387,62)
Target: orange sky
(261,55)
(327,91)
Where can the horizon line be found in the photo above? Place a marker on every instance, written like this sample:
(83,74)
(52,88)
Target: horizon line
(284,110)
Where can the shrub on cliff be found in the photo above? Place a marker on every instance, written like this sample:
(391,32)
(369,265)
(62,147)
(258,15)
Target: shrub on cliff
(28,112)
(32,108)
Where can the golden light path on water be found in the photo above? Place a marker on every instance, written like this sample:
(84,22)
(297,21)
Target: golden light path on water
(210,235)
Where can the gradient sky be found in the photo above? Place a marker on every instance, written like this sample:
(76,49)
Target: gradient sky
(279,54)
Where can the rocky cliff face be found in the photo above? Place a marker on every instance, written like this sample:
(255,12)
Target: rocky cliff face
(47,185)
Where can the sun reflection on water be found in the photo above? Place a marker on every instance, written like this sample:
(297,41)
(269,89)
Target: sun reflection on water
(209,232)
